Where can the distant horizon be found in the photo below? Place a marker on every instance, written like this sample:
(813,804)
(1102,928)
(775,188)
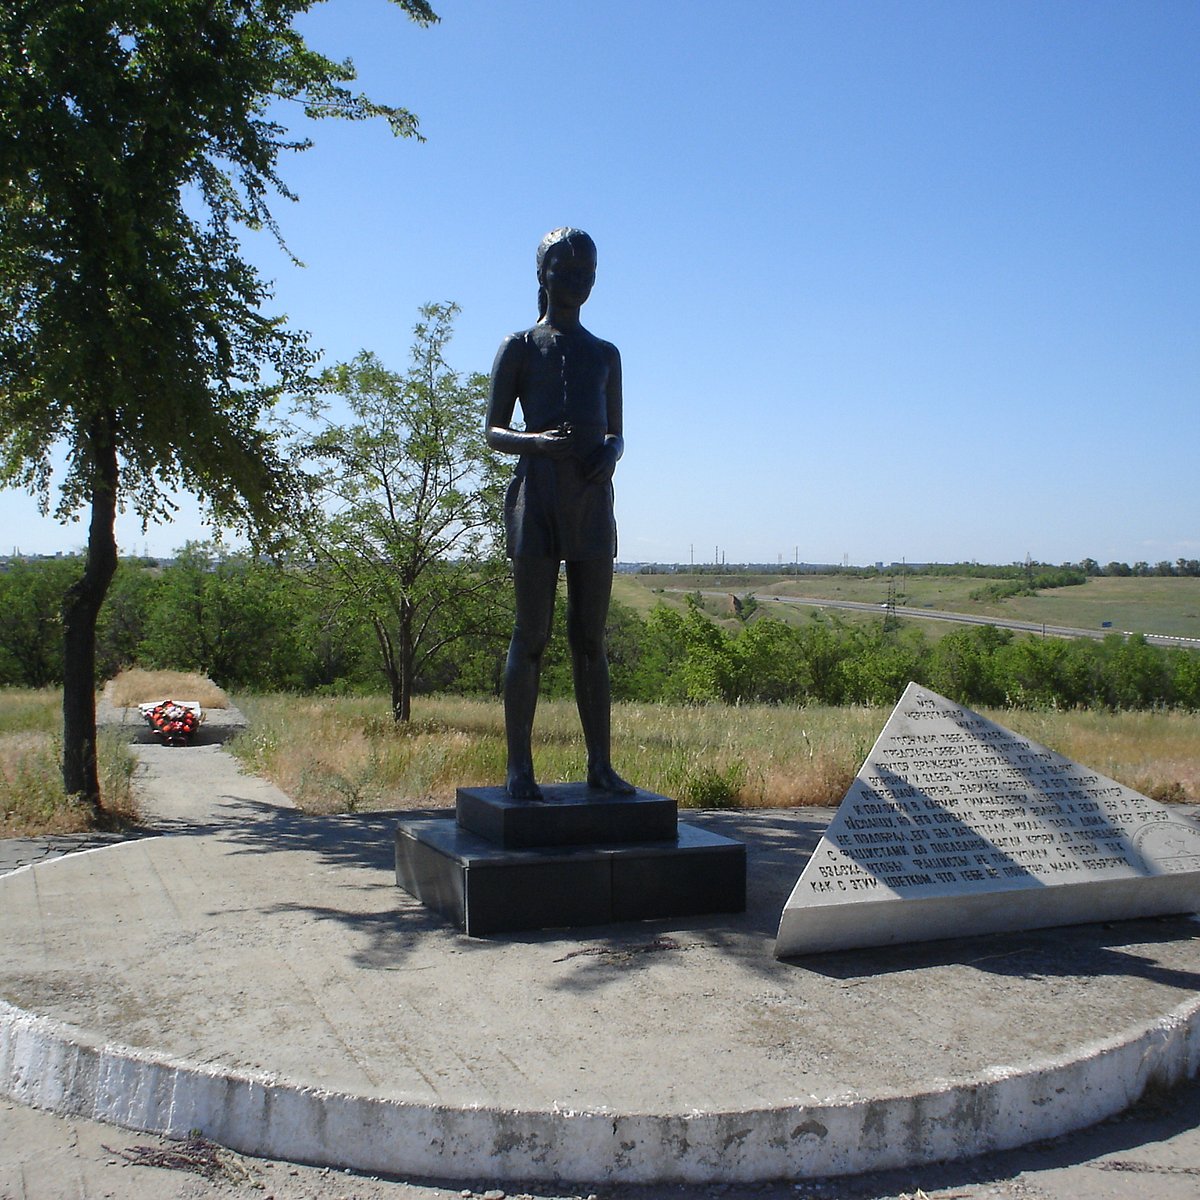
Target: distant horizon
(630,566)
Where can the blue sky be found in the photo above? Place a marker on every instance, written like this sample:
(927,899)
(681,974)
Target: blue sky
(889,280)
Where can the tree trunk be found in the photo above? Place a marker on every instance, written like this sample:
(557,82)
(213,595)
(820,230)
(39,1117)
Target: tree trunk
(407,663)
(81,607)
(390,669)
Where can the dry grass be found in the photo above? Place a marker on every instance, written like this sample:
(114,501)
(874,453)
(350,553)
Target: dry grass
(1156,753)
(336,754)
(347,754)
(37,709)
(768,756)
(137,686)
(32,801)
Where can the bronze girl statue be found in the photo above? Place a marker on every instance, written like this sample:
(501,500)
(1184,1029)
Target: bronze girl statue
(560,503)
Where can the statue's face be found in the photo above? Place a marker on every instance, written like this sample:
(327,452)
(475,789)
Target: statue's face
(568,273)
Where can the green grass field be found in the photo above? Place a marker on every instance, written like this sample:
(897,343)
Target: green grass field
(1151,605)
(1138,605)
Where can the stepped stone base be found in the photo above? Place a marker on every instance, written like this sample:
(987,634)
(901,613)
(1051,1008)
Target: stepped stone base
(576,858)
(569,814)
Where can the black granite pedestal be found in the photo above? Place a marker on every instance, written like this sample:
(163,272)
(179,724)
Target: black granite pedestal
(577,857)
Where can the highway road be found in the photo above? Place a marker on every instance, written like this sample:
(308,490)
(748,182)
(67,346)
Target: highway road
(933,614)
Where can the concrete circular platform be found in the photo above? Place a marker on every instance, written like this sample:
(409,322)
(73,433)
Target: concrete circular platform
(267,984)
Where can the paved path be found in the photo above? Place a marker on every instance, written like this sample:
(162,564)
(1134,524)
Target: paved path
(271,943)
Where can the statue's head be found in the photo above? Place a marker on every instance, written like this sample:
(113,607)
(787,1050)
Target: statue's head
(556,243)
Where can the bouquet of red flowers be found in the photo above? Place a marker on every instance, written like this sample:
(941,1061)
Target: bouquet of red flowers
(175,721)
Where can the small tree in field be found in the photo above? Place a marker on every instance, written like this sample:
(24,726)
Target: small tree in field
(410,503)
(135,139)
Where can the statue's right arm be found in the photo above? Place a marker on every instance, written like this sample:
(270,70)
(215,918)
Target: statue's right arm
(502,402)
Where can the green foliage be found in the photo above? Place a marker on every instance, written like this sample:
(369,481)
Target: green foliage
(129,320)
(1058,577)
(1135,674)
(121,626)
(821,656)
(254,624)
(135,141)
(881,662)
(699,783)
(1004,590)
(408,504)
(1043,672)
(31,634)
(31,596)
(233,618)
(685,657)
(769,661)
(694,655)
(962,665)
(1185,678)
(135,145)
(1035,578)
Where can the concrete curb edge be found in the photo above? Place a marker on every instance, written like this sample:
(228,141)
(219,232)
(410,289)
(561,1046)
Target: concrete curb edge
(48,1064)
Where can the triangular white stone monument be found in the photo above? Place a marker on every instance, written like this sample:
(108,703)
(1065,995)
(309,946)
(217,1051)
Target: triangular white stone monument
(957,826)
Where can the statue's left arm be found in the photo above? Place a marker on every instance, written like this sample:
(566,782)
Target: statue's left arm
(604,461)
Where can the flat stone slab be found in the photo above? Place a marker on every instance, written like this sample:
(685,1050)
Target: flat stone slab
(269,985)
(568,814)
(956,826)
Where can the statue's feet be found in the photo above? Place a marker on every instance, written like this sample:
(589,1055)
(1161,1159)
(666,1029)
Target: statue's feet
(606,779)
(521,785)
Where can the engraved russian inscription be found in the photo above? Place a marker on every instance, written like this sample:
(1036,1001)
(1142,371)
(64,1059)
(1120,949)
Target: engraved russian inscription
(949,806)
(963,803)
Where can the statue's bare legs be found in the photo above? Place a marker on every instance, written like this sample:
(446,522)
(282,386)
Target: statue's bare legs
(588,587)
(536,581)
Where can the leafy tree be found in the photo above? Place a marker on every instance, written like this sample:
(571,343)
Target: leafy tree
(409,503)
(964,665)
(659,651)
(821,657)
(625,636)
(123,618)
(1185,677)
(768,658)
(231,617)
(31,630)
(31,633)
(337,654)
(1135,674)
(707,671)
(880,662)
(137,139)
(1049,671)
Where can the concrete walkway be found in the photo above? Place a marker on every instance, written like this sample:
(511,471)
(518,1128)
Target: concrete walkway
(257,975)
